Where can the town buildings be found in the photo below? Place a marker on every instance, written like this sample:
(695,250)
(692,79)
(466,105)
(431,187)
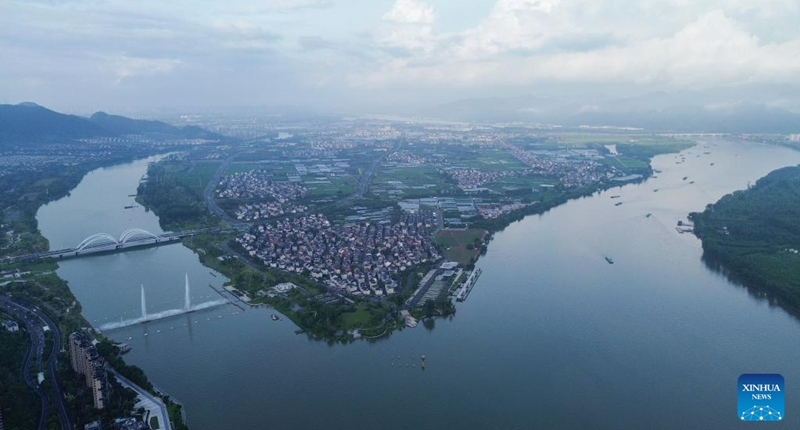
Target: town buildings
(86,361)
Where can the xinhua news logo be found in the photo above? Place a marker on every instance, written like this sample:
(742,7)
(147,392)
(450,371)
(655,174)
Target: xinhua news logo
(761,397)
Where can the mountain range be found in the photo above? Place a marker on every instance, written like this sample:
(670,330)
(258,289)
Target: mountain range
(29,122)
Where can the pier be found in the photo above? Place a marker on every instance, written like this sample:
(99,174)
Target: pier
(465,289)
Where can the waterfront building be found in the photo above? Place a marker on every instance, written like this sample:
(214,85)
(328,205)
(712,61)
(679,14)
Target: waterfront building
(86,361)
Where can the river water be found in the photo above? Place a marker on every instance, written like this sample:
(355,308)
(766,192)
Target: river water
(552,336)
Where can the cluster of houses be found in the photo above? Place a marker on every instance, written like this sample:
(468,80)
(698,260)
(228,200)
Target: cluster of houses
(258,184)
(577,172)
(494,211)
(360,259)
(259,211)
(405,157)
(469,179)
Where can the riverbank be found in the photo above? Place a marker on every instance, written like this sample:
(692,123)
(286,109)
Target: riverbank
(752,236)
(38,284)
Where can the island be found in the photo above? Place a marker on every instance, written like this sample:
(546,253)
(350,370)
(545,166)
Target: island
(753,236)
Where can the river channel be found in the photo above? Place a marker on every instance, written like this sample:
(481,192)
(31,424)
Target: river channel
(552,336)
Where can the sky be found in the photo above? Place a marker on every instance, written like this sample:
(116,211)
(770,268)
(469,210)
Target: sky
(380,55)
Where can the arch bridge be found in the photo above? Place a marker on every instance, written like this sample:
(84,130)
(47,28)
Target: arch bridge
(130,235)
(100,243)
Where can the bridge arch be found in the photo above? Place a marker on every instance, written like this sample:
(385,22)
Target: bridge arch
(135,233)
(97,239)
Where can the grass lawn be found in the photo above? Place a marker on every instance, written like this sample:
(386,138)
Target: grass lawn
(630,163)
(454,244)
(360,318)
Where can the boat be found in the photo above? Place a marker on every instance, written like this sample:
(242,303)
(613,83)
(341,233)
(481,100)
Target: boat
(212,274)
(685,178)
(614,197)
(610,260)
(617,204)
(649,215)
(275,317)
(130,207)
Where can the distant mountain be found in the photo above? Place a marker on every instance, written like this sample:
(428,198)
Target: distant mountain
(122,125)
(679,112)
(28,122)
(31,123)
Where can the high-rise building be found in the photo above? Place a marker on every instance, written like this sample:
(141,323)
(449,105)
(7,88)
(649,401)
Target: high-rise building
(86,361)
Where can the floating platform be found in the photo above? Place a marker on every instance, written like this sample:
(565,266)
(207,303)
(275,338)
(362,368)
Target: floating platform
(465,289)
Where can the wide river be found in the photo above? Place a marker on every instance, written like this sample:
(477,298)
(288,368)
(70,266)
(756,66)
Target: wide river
(551,337)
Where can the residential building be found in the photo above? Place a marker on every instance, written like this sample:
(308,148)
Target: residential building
(86,361)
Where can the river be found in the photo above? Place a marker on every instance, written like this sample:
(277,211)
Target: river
(552,336)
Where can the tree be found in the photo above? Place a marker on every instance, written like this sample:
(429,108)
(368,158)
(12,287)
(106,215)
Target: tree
(429,306)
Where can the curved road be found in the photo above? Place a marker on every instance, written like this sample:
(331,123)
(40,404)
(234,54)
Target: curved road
(208,194)
(34,321)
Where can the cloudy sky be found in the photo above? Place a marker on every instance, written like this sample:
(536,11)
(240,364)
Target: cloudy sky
(373,54)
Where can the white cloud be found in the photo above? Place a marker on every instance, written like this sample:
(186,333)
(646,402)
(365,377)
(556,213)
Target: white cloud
(127,67)
(507,49)
(411,12)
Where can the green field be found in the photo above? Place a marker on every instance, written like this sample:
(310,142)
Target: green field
(197,176)
(410,177)
(456,244)
(339,185)
(491,160)
(629,163)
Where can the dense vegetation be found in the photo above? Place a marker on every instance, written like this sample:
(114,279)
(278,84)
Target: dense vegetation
(16,398)
(178,205)
(755,235)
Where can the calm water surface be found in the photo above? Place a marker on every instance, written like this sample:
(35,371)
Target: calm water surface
(551,337)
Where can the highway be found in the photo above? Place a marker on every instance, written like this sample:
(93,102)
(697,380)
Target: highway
(34,321)
(366,177)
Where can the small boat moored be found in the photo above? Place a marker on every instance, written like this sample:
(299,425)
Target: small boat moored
(610,260)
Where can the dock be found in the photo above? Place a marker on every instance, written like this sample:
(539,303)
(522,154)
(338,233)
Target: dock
(225,297)
(465,289)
